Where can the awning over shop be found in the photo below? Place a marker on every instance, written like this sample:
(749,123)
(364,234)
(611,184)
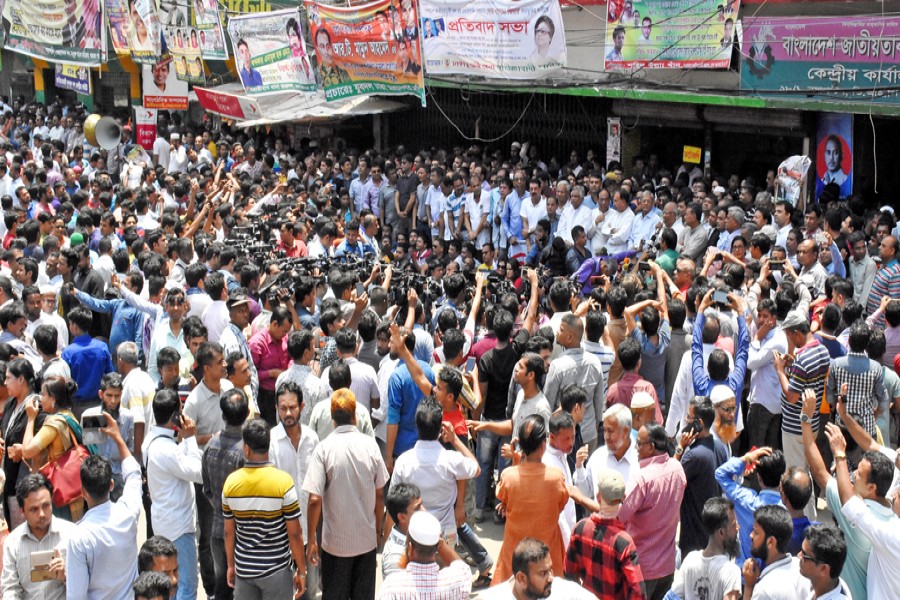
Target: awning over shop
(229,101)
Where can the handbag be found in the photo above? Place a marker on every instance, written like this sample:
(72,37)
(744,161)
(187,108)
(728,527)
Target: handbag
(64,473)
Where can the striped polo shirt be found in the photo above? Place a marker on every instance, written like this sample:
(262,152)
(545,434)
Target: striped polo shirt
(809,370)
(260,498)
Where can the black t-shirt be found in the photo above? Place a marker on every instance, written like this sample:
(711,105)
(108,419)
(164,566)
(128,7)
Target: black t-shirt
(406,187)
(496,368)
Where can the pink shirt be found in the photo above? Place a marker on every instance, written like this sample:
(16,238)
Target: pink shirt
(631,382)
(268,354)
(648,513)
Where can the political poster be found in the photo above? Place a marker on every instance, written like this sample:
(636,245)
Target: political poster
(162,89)
(73,77)
(56,30)
(613,139)
(372,48)
(790,177)
(138,20)
(270,53)
(847,58)
(669,34)
(209,28)
(509,39)
(834,153)
(184,48)
(145,127)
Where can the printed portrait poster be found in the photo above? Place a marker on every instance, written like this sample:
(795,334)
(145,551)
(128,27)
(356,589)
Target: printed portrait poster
(209,28)
(834,153)
(613,139)
(146,42)
(270,53)
(372,48)
(670,34)
(184,48)
(162,89)
(56,30)
(509,39)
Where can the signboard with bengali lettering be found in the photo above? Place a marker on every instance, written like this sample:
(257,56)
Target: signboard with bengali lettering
(842,58)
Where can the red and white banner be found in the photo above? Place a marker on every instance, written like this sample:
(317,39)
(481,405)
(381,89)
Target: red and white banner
(145,124)
(231,106)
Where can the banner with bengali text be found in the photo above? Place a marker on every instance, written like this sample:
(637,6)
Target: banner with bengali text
(145,125)
(669,34)
(373,48)
(135,29)
(162,89)
(73,77)
(510,39)
(209,28)
(270,53)
(843,58)
(56,30)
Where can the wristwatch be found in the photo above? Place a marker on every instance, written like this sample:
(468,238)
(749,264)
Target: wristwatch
(805,418)
(679,450)
(840,456)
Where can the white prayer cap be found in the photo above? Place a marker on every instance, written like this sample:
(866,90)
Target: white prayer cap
(721,393)
(424,528)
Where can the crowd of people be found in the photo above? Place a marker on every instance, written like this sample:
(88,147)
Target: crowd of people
(305,363)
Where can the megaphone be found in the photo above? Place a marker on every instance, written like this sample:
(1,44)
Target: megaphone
(102,131)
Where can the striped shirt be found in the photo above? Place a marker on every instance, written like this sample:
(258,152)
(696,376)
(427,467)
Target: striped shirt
(886,283)
(808,370)
(260,498)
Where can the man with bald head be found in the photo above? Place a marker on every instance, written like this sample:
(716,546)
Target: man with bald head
(887,278)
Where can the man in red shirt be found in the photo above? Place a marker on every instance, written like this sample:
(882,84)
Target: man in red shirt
(290,244)
(268,347)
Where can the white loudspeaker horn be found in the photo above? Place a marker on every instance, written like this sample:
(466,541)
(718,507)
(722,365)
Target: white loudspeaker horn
(102,131)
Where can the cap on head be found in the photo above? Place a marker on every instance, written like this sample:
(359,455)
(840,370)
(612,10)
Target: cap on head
(424,528)
(611,487)
(236,299)
(795,319)
(721,393)
(642,400)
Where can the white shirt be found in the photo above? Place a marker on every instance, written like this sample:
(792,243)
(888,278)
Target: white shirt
(435,200)
(765,387)
(178,160)
(385,370)
(556,459)
(294,461)
(782,580)
(363,382)
(161,151)
(702,578)
(571,217)
(629,467)
(216,318)
(477,210)
(435,470)
(172,469)
(199,304)
(101,556)
(561,589)
(883,574)
(533,212)
(621,222)
(62,332)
